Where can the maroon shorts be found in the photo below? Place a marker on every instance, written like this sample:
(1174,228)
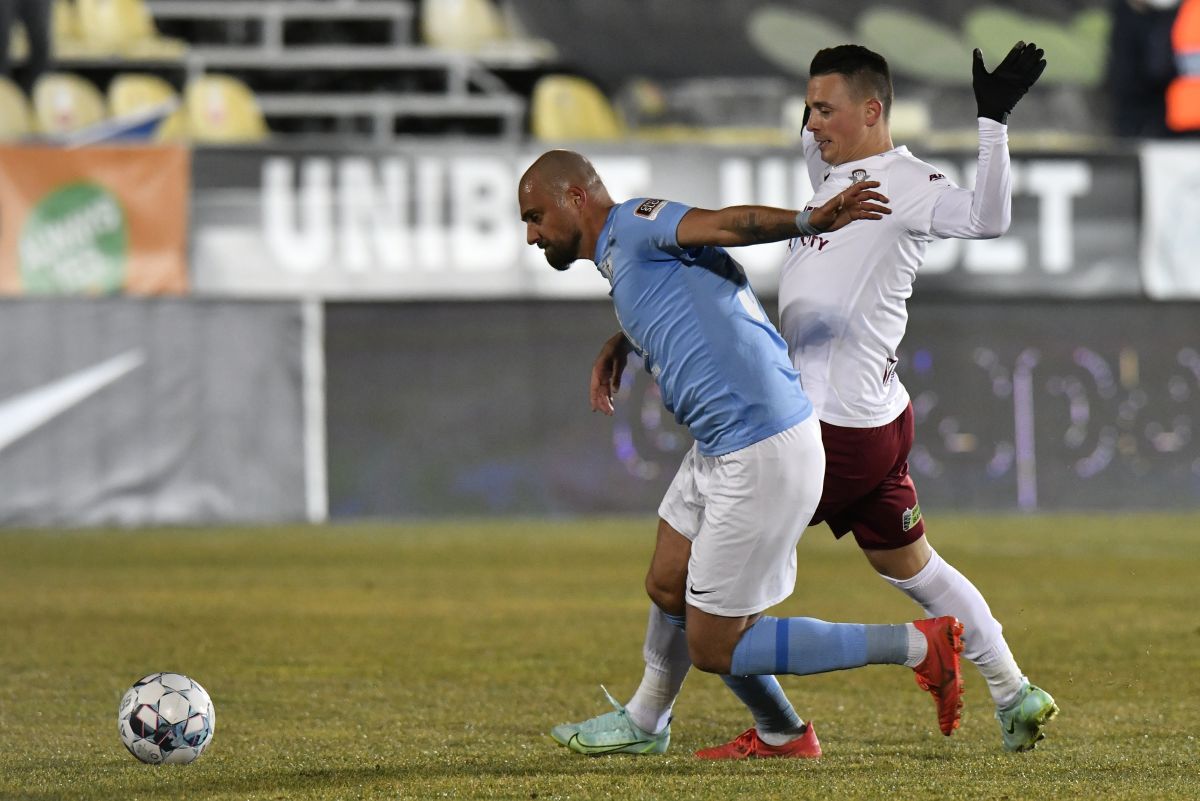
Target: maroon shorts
(867,486)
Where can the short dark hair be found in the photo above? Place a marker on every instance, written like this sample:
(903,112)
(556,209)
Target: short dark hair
(865,70)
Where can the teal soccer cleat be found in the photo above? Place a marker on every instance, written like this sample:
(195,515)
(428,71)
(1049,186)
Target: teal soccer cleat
(1022,721)
(610,733)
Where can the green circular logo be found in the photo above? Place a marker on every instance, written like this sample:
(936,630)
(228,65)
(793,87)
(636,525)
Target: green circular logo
(75,241)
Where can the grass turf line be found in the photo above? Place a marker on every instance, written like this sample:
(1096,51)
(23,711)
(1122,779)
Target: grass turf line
(429,660)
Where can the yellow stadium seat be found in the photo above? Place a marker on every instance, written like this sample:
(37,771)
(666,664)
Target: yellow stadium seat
(222,109)
(566,107)
(466,25)
(66,33)
(132,92)
(65,20)
(124,27)
(16,121)
(63,103)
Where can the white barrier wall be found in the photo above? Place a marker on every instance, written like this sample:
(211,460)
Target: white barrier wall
(131,412)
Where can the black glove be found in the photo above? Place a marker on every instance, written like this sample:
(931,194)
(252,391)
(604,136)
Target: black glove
(996,92)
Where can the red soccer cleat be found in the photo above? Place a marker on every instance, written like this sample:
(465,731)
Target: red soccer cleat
(938,673)
(749,746)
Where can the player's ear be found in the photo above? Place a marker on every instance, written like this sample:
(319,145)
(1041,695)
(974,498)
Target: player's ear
(874,112)
(576,197)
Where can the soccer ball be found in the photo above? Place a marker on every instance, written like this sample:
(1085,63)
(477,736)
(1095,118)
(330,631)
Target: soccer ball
(166,718)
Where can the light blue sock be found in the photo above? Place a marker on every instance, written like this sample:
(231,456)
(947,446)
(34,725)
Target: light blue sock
(762,695)
(804,645)
(766,701)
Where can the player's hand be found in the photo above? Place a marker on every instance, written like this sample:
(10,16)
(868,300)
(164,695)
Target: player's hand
(606,373)
(997,92)
(859,201)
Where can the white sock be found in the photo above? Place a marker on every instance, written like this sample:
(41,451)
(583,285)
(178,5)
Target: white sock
(918,646)
(667,665)
(781,737)
(1004,678)
(942,590)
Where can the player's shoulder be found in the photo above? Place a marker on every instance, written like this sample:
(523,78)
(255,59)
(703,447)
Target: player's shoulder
(914,172)
(643,208)
(650,218)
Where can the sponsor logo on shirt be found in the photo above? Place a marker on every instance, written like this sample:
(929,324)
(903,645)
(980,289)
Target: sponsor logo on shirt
(937,176)
(814,241)
(889,372)
(859,175)
(650,208)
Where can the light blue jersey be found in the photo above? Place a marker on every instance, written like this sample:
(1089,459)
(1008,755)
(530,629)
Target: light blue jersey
(722,368)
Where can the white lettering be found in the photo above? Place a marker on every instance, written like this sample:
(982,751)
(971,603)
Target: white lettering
(772,183)
(78,229)
(625,176)
(300,240)
(738,186)
(373,226)
(432,249)
(485,236)
(1055,183)
(737,183)
(1003,256)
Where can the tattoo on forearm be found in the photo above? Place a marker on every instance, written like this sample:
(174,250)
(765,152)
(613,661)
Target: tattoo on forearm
(755,225)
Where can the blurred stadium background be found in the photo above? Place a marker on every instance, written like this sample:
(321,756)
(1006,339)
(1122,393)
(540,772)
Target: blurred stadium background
(304,293)
(261,263)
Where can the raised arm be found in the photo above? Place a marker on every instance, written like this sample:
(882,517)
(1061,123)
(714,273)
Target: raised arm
(986,211)
(754,225)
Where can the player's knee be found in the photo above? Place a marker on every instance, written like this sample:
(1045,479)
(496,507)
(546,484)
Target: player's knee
(665,597)
(708,656)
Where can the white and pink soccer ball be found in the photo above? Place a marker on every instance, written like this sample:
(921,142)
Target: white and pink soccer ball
(166,718)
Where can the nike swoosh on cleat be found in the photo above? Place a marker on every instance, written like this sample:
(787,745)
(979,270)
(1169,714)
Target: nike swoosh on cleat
(1011,728)
(23,414)
(596,749)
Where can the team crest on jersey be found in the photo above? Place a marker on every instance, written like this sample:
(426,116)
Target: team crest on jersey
(650,208)
(859,175)
(937,176)
(911,517)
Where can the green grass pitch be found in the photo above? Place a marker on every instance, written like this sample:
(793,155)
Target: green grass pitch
(427,660)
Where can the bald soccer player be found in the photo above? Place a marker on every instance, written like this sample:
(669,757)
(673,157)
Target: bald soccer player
(843,314)
(730,521)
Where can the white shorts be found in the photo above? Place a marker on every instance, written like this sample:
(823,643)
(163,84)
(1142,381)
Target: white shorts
(744,513)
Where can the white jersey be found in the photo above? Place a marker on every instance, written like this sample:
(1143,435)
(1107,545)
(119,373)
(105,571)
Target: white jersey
(842,295)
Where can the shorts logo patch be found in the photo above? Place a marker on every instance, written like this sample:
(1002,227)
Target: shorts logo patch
(911,517)
(650,208)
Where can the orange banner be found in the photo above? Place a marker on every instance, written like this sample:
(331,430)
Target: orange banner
(94,220)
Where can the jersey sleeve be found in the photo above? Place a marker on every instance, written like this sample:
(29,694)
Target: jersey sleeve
(986,211)
(648,226)
(812,159)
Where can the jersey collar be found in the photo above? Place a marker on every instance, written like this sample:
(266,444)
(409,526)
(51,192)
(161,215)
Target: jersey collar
(868,163)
